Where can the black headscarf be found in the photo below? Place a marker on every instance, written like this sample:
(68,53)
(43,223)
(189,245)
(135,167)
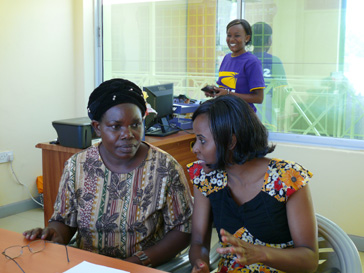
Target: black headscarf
(114,92)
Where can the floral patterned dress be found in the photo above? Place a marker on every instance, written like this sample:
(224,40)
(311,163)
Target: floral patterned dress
(120,214)
(260,221)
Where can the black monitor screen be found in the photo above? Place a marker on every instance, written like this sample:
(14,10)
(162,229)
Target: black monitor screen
(160,98)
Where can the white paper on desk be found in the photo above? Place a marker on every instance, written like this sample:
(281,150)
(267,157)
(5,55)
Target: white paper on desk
(86,267)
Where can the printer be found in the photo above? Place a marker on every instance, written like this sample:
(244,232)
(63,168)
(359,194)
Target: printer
(75,132)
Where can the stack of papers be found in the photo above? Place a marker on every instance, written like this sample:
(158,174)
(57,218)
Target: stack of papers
(86,267)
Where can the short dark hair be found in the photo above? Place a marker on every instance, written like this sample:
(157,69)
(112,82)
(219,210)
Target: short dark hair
(246,26)
(261,33)
(231,116)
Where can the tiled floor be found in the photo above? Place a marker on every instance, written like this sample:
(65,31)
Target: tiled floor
(34,218)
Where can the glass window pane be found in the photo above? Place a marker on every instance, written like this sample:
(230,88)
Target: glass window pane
(311,59)
(318,46)
(155,42)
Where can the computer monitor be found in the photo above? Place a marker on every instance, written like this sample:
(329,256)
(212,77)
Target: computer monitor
(160,98)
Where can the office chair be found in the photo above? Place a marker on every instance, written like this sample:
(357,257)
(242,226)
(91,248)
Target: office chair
(337,252)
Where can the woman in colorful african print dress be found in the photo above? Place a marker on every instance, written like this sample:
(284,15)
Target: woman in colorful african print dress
(261,207)
(126,198)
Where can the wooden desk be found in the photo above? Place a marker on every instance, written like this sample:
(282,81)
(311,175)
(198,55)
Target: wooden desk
(54,259)
(54,156)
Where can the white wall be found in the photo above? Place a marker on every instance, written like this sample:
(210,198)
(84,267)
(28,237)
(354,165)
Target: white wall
(45,76)
(337,185)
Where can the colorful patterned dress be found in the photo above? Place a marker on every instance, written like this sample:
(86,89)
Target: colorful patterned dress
(120,214)
(260,221)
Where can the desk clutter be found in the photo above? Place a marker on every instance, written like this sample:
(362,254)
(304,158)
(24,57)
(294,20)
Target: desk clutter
(88,267)
(182,115)
(183,108)
(78,132)
(54,259)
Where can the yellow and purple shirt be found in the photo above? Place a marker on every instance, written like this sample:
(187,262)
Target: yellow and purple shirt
(241,74)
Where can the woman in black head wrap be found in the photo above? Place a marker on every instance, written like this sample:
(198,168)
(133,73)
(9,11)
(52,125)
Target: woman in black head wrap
(111,93)
(125,197)
(117,108)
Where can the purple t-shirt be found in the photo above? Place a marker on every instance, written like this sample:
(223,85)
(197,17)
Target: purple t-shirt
(241,74)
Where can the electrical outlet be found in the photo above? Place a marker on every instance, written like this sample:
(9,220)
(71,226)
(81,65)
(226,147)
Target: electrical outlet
(6,156)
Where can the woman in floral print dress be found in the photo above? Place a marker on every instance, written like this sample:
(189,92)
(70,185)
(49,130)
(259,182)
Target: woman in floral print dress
(261,207)
(126,198)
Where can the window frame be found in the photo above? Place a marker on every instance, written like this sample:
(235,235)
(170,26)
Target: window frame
(98,38)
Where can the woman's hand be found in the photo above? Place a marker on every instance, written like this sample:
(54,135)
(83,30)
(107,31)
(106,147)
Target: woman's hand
(209,90)
(246,253)
(56,232)
(49,234)
(216,91)
(221,91)
(200,267)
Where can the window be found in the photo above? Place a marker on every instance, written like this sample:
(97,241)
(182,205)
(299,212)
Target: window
(156,42)
(313,91)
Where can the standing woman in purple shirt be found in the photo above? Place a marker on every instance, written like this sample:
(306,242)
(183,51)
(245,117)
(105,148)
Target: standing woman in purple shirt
(241,71)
